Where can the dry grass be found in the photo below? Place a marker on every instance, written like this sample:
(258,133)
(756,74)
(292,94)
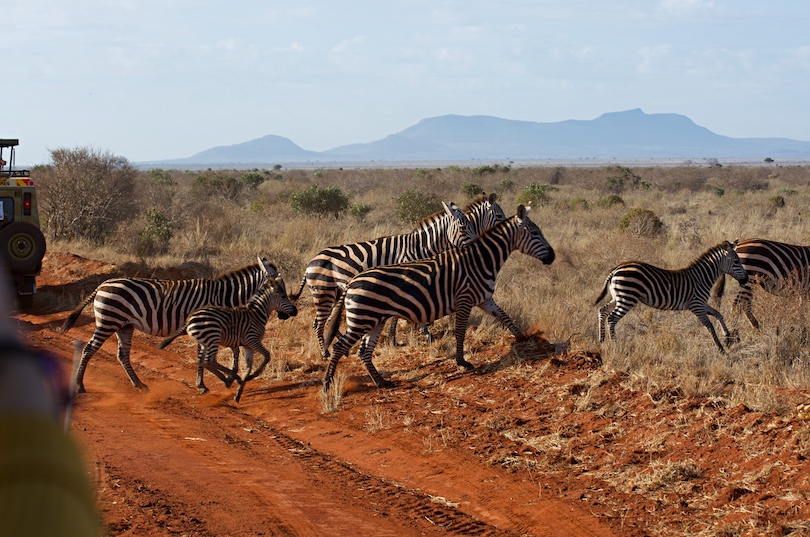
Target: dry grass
(657,349)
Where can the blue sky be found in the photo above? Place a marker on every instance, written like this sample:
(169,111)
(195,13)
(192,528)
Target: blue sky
(161,79)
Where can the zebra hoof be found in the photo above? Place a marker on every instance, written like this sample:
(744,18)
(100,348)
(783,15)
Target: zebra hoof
(80,389)
(465,364)
(387,384)
(203,390)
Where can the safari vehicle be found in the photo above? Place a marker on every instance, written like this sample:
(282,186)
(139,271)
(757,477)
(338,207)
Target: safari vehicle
(22,244)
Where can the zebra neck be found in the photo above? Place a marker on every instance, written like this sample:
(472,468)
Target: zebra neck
(493,248)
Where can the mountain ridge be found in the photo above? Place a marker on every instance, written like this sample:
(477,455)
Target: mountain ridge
(625,134)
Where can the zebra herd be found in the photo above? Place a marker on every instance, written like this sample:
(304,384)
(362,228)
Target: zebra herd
(447,264)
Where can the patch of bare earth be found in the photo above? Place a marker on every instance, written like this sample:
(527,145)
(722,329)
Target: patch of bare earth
(536,441)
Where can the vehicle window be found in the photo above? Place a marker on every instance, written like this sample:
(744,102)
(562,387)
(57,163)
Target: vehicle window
(6,209)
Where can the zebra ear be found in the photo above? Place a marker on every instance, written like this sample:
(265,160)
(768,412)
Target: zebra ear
(451,209)
(492,197)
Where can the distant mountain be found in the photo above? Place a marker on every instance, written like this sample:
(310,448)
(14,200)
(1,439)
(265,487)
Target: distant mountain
(631,134)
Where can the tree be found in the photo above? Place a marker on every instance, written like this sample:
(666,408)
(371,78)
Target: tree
(85,192)
(769,160)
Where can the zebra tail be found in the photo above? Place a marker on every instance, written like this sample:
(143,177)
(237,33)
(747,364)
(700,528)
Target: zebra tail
(603,293)
(177,334)
(71,320)
(294,296)
(719,288)
(334,319)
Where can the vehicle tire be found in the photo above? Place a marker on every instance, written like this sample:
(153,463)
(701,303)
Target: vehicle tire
(22,246)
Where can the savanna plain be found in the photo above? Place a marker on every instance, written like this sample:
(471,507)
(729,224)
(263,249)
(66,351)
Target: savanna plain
(655,433)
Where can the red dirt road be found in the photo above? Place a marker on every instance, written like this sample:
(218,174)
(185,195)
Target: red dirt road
(536,442)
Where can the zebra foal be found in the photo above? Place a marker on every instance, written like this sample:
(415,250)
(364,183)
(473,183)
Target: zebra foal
(454,281)
(159,307)
(334,266)
(688,288)
(777,267)
(215,326)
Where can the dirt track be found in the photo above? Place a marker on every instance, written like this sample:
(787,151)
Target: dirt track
(448,460)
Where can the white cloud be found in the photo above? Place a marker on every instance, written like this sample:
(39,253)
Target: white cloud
(650,55)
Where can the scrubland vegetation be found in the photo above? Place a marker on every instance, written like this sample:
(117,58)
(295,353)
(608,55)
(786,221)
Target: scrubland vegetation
(594,217)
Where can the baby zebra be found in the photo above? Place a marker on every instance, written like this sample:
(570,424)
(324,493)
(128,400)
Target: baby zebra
(687,288)
(215,326)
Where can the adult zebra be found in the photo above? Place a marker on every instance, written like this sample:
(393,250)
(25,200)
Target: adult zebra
(777,267)
(215,326)
(159,307)
(688,288)
(333,267)
(454,281)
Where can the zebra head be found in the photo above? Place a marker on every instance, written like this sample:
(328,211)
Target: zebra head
(530,239)
(268,268)
(484,212)
(459,231)
(274,295)
(731,264)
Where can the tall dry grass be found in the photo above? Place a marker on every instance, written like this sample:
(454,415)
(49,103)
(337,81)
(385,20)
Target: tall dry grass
(699,207)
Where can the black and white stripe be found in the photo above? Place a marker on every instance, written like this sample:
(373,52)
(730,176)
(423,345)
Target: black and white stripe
(779,268)
(334,266)
(688,288)
(215,326)
(454,281)
(159,307)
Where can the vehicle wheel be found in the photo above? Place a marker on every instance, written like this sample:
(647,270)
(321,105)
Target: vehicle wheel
(22,246)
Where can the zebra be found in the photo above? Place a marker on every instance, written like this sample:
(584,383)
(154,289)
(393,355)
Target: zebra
(334,266)
(453,281)
(159,307)
(213,326)
(777,267)
(689,288)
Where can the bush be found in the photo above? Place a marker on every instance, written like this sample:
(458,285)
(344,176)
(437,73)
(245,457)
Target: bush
(85,193)
(215,185)
(610,201)
(415,204)
(642,222)
(251,180)
(156,233)
(471,189)
(625,178)
(322,201)
(535,193)
(360,211)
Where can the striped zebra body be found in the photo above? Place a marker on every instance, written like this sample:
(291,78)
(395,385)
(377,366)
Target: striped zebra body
(454,281)
(159,307)
(779,268)
(688,288)
(333,267)
(213,327)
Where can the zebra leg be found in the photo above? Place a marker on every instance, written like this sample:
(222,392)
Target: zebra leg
(604,311)
(392,333)
(250,375)
(366,352)
(425,331)
(700,312)
(89,350)
(340,349)
(619,311)
(200,367)
(744,301)
(495,310)
(234,366)
(716,314)
(124,346)
(462,319)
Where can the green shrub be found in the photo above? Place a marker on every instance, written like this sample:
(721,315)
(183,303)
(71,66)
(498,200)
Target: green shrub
(624,179)
(321,201)
(156,234)
(415,204)
(715,190)
(535,193)
(471,189)
(642,222)
(507,185)
(484,170)
(360,210)
(578,204)
(209,185)
(251,180)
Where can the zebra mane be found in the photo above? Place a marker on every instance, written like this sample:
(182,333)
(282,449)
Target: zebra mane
(231,272)
(426,221)
(708,253)
(479,200)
